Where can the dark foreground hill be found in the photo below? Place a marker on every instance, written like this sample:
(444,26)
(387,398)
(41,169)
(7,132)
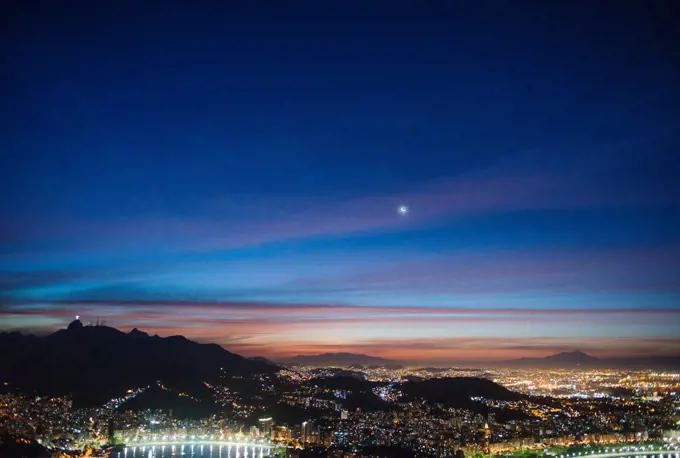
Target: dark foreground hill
(15,447)
(199,405)
(97,363)
(458,391)
(357,392)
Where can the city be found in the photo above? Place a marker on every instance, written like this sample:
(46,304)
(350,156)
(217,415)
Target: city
(345,411)
(340,229)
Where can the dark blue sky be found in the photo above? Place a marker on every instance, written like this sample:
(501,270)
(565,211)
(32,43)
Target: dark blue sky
(255,156)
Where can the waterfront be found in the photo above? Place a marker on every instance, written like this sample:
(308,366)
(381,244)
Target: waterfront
(196,450)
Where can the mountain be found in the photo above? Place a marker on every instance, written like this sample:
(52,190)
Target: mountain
(568,359)
(457,391)
(574,359)
(577,357)
(199,405)
(97,363)
(340,359)
(263,360)
(357,391)
(15,447)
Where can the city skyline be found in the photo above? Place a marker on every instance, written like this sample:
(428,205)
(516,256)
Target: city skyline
(440,185)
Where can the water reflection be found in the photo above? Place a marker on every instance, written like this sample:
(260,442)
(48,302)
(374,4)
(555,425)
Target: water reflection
(191,451)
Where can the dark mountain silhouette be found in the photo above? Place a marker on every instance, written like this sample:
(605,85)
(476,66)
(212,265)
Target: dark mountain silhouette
(572,356)
(263,360)
(15,447)
(452,388)
(358,391)
(199,405)
(568,358)
(340,359)
(458,391)
(97,363)
(580,359)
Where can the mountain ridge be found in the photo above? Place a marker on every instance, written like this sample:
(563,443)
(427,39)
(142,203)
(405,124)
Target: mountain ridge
(97,363)
(566,359)
(340,358)
(577,358)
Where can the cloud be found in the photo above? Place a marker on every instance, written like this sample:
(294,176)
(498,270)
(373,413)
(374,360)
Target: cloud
(408,333)
(232,318)
(216,306)
(455,349)
(271,305)
(365,278)
(254,221)
(547,270)
(10,281)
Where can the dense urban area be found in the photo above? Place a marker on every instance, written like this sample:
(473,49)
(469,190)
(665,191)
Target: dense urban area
(345,411)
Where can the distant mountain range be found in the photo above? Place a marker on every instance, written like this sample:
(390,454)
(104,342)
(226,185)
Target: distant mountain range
(575,359)
(97,363)
(341,359)
(568,358)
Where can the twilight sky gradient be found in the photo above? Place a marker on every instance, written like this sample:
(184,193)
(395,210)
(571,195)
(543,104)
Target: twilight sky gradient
(233,173)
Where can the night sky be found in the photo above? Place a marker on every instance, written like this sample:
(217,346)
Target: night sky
(233,172)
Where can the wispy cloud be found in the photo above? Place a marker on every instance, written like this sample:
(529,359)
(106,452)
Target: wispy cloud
(287,304)
(288,329)
(497,190)
(543,270)
(481,273)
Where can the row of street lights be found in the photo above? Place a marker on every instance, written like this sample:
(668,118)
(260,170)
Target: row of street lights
(187,438)
(642,448)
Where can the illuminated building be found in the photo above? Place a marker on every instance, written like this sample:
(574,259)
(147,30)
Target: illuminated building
(305,432)
(266,426)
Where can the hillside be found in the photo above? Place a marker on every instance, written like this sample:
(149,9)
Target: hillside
(458,391)
(97,363)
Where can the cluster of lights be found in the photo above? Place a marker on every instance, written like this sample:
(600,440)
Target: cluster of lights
(669,448)
(175,438)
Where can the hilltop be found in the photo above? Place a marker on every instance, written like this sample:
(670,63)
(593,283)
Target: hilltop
(340,359)
(97,363)
(574,359)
